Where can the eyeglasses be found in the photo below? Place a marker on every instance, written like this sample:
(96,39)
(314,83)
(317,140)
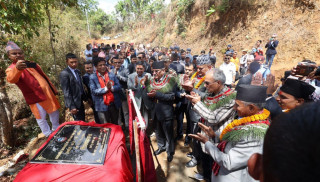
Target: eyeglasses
(226,58)
(208,83)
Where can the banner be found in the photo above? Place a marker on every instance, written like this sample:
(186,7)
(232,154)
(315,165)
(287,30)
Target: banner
(148,172)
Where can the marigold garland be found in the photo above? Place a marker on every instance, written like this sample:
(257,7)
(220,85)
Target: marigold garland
(237,122)
(200,82)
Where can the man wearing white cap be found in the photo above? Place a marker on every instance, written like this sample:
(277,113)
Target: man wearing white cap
(35,86)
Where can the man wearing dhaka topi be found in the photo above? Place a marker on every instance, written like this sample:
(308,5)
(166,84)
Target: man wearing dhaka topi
(35,86)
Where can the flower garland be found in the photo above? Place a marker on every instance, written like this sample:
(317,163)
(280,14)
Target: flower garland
(200,82)
(237,122)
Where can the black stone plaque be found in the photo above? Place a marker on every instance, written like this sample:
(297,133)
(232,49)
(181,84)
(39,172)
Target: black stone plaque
(75,144)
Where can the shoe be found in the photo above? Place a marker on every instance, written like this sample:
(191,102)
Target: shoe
(169,158)
(192,163)
(159,151)
(190,154)
(198,176)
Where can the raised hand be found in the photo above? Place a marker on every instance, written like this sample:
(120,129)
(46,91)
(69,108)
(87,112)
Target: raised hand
(199,137)
(269,83)
(256,79)
(207,129)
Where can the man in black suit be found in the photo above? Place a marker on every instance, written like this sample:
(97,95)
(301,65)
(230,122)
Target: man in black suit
(176,65)
(72,87)
(161,90)
(271,50)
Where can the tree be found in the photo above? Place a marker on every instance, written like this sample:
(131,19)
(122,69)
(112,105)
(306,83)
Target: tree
(23,18)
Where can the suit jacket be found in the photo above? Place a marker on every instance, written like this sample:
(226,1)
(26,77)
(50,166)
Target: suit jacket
(73,91)
(162,104)
(138,90)
(271,48)
(97,92)
(122,76)
(176,66)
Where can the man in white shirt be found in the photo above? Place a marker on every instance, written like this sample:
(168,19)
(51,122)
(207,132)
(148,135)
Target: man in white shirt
(88,53)
(229,70)
(243,62)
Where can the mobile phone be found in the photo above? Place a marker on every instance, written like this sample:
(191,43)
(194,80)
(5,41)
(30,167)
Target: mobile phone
(31,64)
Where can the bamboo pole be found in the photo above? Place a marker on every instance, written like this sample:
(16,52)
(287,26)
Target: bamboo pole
(136,145)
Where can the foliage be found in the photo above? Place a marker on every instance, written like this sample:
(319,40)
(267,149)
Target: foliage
(183,7)
(132,11)
(211,10)
(101,21)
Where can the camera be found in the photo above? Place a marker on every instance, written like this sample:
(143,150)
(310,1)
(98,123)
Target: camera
(305,68)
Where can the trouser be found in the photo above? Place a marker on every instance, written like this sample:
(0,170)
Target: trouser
(196,146)
(43,124)
(269,59)
(95,114)
(125,113)
(179,117)
(164,133)
(180,111)
(207,162)
(109,116)
(80,116)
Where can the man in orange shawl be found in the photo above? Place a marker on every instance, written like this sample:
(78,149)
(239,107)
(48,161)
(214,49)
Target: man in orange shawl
(35,86)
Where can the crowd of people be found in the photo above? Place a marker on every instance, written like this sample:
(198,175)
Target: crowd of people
(237,117)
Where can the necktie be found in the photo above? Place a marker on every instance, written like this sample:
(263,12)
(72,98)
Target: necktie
(79,81)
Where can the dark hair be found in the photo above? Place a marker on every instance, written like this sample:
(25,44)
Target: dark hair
(88,62)
(153,58)
(97,60)
(174,56)
(133,56)
(131,49)
(70,56)
(291,151)
(140,63)
(182,51)
(260,41)
(142,53)
(115,57)
(203,51)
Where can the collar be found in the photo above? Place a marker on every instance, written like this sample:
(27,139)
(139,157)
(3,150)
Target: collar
(73,70)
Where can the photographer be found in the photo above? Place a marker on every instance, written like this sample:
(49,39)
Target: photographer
(35,86)
(271,50)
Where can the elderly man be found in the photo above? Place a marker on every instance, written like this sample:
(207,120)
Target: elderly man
(239,139)
(216,109)
(196,84)
(35,86)
(161,90)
